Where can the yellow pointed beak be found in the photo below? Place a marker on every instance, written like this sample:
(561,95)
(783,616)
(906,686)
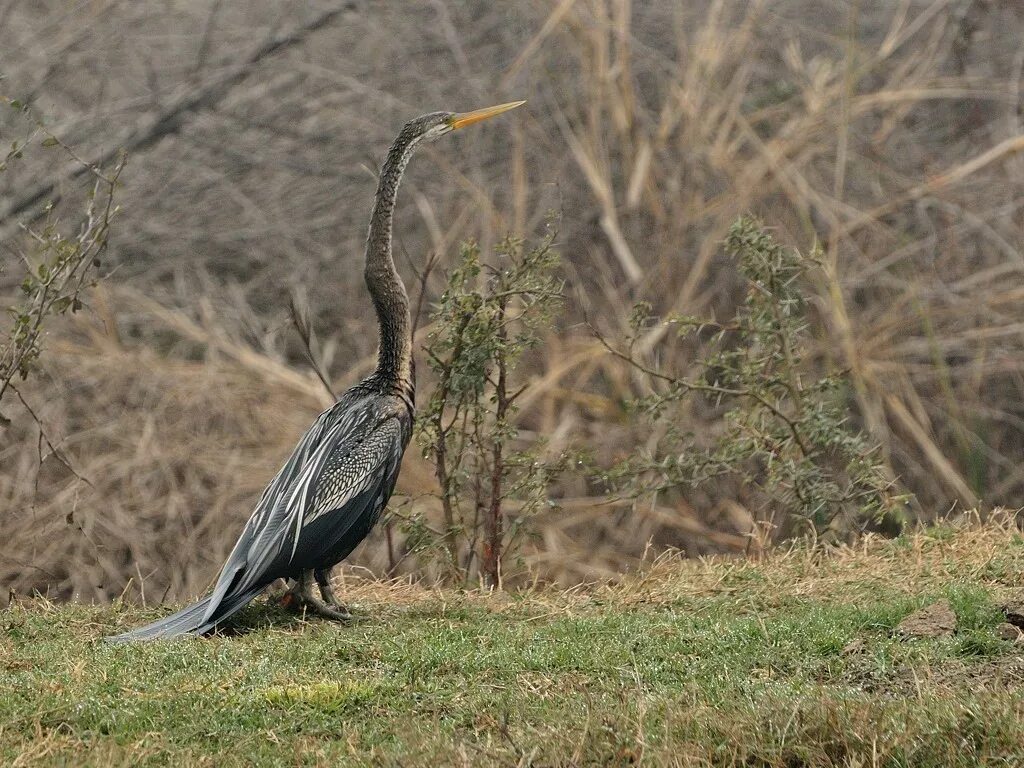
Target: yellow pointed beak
(462,119)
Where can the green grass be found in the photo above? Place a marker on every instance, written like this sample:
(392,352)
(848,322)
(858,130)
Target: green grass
(689,663)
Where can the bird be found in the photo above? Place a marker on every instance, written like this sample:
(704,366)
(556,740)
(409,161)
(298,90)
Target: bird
(333,488)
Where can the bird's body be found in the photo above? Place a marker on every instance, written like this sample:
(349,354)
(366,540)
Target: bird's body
(320,505)
(332,490)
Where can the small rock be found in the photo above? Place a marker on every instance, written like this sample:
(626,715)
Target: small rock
(936,620)
(1014,611)
(1006,631)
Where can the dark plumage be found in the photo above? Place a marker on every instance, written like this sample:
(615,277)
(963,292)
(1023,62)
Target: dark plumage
(331,491)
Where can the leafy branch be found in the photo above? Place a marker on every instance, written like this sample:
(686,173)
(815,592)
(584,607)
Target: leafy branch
(786,436)
(486,319)
(58,265)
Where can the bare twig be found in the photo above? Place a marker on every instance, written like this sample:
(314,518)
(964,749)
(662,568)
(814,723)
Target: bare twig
(300,321)
(152,128)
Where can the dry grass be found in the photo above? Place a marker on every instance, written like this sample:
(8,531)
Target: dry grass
(888,131)
(966,550)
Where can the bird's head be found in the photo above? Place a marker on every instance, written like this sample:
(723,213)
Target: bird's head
(437,124)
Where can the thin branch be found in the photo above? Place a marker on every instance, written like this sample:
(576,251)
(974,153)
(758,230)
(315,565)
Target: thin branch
(170,120)
(300,321)
(54,451)
(421,294)
(711,388)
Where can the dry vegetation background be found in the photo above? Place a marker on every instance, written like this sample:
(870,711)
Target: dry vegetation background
(889,130)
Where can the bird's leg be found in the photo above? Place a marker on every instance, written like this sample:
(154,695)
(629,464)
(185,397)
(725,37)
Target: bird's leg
(315,603)
(323,580)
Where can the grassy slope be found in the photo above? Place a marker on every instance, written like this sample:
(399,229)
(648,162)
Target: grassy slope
(721,663)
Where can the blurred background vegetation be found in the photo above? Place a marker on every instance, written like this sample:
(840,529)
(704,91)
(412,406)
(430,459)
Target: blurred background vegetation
(888,132)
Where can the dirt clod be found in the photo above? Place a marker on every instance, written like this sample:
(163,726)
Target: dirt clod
(1014,612)
(1007,631)
(935,620)
(853,647)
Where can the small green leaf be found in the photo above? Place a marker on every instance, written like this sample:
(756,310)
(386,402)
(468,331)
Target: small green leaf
(50,141)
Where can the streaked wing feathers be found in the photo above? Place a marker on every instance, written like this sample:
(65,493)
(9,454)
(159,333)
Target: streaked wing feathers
(350,448)
(344,475)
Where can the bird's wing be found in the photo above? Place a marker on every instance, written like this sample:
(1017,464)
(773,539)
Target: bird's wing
(350,493)
(336,463)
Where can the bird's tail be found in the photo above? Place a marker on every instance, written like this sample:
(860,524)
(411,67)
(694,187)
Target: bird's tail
(189,621)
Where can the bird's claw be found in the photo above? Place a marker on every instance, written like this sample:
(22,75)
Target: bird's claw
(302,597)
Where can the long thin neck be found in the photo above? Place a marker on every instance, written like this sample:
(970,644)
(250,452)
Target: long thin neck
(394,356)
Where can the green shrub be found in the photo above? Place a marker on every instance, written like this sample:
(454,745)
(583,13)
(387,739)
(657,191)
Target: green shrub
(486,319)
(786,431)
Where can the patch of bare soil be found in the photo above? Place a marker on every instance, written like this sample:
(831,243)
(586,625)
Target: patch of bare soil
(935,620)
(1002,673)
(1007,631)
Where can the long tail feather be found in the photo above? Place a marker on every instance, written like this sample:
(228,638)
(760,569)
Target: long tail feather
(188,621)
